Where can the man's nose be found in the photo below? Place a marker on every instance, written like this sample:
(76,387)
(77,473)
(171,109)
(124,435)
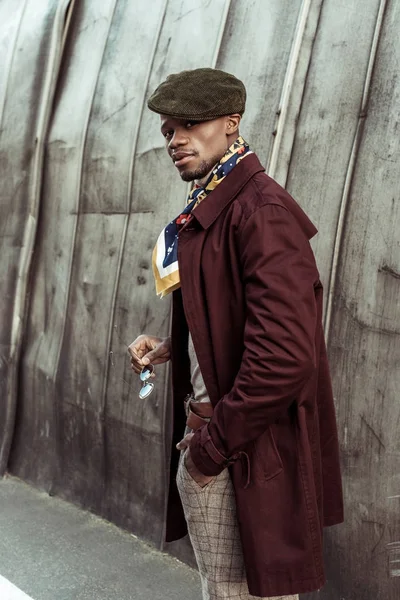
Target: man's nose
(178,139)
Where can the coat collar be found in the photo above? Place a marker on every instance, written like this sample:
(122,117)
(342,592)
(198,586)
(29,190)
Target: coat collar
(209,210)
(206,212)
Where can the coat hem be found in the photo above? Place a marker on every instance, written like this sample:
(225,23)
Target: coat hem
(289,588)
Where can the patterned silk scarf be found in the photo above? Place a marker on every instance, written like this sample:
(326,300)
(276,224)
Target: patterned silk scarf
(165,253)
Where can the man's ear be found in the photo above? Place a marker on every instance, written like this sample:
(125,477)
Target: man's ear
(232,123)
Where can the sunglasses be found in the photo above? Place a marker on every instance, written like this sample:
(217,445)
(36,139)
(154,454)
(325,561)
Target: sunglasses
(147,386)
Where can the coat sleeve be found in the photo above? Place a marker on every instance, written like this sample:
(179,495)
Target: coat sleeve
(279,274)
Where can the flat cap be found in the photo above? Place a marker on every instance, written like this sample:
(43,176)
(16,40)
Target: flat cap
(199,94)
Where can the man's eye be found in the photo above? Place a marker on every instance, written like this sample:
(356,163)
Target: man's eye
(190,124)
(167,134)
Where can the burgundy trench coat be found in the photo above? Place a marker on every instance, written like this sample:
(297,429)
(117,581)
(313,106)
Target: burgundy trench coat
(252,300)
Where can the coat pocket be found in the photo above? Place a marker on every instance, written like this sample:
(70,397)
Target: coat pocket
(266,462)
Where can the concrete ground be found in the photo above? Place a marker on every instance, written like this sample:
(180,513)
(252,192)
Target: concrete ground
(52,550)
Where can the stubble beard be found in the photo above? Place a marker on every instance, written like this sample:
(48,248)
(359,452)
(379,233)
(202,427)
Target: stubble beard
(205,167)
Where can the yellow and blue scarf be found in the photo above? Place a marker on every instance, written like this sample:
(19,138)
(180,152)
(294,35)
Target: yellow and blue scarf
(165,253)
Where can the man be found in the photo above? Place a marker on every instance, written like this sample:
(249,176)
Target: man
(258,476)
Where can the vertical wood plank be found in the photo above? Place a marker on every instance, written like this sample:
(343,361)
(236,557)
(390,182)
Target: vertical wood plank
(256,48)
(292,89)
(11,15)
(351,165)
(34,91)
(41,401)
(328,118)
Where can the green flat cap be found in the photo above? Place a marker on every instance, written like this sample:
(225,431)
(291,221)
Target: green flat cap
(200,94)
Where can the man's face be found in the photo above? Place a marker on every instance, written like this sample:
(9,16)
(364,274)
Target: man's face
(196,146)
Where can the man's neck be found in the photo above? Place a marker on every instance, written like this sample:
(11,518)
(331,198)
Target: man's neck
(202,181)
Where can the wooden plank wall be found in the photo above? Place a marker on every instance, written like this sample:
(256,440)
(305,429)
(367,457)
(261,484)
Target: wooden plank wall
(87,186)
(31,44)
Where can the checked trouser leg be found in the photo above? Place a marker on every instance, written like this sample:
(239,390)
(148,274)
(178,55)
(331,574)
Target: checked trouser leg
(211,518)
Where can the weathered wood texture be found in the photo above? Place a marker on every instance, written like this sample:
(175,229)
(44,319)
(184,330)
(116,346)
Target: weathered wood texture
(78,225)
(30,63)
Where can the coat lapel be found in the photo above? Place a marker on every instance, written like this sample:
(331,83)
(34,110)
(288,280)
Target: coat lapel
(211,207)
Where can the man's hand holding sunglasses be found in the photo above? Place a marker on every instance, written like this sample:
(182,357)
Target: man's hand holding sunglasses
(149,349)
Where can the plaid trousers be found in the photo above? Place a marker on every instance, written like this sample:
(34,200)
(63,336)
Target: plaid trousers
(210,513)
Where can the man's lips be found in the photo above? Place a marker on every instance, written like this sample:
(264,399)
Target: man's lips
(181,158)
